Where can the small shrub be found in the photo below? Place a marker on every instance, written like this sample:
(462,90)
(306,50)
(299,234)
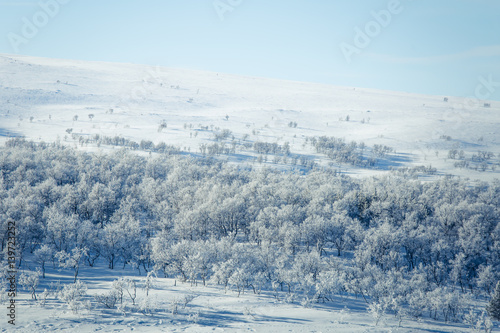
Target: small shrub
(174,306)
(29,281)
(108,300)
(72,295)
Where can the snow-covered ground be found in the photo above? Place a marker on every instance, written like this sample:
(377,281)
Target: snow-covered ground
(51,99)
(198,309)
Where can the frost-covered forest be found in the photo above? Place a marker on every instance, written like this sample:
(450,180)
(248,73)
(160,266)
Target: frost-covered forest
(405,247)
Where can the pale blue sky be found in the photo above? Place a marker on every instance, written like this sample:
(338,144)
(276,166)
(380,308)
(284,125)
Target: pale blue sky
(429,46)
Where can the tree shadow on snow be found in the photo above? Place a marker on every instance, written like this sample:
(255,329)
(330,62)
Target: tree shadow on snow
(225,318)
(10,133)
(393,161)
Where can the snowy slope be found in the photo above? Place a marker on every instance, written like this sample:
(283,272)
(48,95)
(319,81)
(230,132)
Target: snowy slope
(211,309)
(41,97)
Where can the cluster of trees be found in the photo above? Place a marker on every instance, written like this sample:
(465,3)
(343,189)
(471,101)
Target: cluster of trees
(223,135)
(381,150)
(481,161)
(216,149)
(340,151)
(406,247)
(415,171)
(118,141)
(271,148)
(337,149)
(354,153)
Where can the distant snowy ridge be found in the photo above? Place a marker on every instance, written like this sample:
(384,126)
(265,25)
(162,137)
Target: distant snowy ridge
(79,101)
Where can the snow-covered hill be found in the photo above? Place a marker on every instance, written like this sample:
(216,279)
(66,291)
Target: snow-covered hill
(51,99)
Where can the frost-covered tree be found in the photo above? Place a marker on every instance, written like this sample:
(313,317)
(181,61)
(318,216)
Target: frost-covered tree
(42,255)
(493,307)
(342,232)
(61,229)
(121,239)
(229,216)
(100,204)
(200,261)
(381,247)
(29,280)
(72,260)
(72,295)
(486,278)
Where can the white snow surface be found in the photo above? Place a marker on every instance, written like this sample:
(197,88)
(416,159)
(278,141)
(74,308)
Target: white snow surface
(212,309)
